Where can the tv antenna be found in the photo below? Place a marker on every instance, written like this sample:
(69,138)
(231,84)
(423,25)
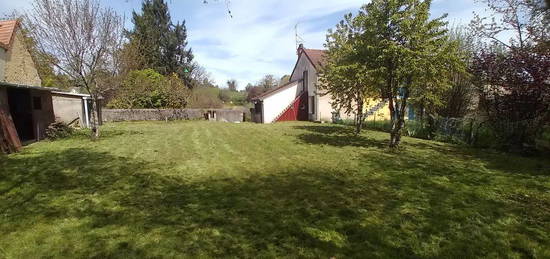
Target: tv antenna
(299,40)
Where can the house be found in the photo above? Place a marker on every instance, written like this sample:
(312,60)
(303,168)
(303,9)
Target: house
(25,107)
(301,99)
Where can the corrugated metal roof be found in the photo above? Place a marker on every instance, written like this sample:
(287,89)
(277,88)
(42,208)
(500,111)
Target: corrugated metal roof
(7,32)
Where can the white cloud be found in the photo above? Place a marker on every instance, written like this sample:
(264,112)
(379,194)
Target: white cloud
(259,39)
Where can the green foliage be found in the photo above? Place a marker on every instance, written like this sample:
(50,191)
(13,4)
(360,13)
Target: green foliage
(224,95)
(161,44)
(147,89)
(394,48)
(205,97)
(345,76)
(203,190)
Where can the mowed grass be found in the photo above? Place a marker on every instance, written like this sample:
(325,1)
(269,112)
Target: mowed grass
(201,189)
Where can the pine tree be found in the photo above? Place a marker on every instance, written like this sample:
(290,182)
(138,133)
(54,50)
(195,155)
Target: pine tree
(161,44)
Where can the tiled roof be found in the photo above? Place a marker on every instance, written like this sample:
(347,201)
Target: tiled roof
(316,56)
(7,32)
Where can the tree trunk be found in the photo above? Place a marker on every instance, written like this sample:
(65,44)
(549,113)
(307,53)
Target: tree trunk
(360,115)
(95,126)
(398,119)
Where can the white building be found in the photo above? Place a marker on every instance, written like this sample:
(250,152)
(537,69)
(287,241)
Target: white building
(293,101)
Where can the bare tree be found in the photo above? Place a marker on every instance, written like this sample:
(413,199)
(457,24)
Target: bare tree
(232,85)
(84,39)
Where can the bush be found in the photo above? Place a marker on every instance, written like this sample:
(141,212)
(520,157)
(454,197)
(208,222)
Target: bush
(147,89)
(383,125)
(417,129)
(205,97)
(58,130)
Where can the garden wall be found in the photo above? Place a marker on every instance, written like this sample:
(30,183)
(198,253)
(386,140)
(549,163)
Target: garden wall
(224,115)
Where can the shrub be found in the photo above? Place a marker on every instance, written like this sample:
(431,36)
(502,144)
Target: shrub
(205,97)
(383,125)
(58,130)
(147,89)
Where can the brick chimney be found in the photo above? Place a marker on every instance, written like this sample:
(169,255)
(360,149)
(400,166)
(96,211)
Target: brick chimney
(300,49)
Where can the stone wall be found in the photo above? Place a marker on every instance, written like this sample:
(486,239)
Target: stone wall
(2,64)
(111,115)
(19,67)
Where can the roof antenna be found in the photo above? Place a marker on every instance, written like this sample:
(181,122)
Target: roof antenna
(299,40)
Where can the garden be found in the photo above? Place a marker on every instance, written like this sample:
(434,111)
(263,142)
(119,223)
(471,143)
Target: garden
(205,189)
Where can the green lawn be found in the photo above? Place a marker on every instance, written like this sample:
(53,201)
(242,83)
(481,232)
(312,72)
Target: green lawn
(188,189)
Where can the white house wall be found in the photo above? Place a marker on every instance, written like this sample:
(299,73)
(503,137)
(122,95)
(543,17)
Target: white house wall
(275,104)
(302,65)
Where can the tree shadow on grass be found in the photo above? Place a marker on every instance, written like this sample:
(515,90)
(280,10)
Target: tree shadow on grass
(439,193)
(492,159)
(129,208)
(339,136)
(123,207)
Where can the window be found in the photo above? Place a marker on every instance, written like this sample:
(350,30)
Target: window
(37,102)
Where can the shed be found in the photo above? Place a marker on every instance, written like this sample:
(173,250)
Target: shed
(25,113)
(69,107)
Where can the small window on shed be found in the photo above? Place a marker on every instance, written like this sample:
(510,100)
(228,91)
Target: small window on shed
(37,102)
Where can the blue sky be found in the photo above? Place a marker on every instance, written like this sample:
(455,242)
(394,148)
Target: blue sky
(260,37)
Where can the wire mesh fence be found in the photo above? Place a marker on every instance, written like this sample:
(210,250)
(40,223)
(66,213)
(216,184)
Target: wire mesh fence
(478,132)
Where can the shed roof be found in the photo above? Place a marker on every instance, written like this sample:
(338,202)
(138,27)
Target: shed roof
(39,88)
(70,94)
(7,32)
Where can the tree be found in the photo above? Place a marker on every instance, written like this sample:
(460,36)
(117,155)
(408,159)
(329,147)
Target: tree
(527,20)
(458,100)
(232,85)
(147,89)
(42,61)
(162,44)
(345,76)
(512,77)
(284,80)
(200,77)
(254,92)
(406,54)
(268,82)
(82,36)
